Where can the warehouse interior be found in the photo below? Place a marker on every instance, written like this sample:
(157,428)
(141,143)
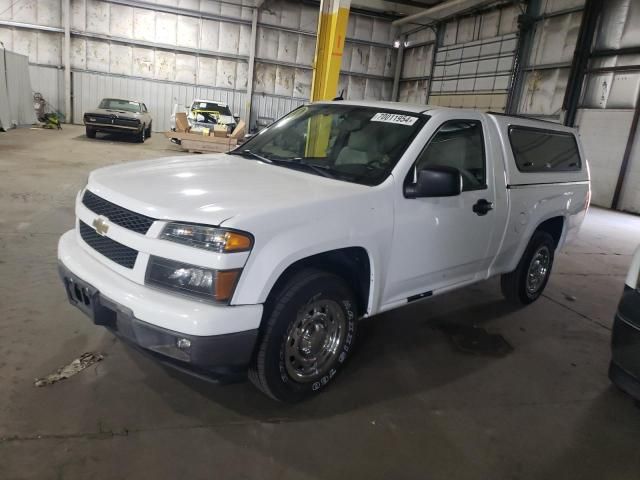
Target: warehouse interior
(410,405)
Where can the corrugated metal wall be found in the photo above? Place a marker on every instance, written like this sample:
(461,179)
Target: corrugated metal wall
(168,51)
(608,102)
(549,62)
(49,81)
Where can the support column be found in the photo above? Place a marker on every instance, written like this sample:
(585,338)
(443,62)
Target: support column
(252,61)
(573,92)
(332,30)
(624,167)
(398,71)
(66,53)
(526,29)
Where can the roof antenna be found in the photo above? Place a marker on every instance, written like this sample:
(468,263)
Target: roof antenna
(340,97)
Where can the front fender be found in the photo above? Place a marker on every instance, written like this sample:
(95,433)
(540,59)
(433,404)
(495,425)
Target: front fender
(368,225)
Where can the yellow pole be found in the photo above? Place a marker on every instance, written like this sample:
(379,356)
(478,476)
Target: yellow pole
(332,30)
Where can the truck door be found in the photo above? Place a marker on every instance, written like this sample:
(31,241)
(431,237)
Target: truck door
(440,242)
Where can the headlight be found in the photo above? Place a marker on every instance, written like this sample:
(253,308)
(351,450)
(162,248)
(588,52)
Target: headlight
(212,285)
(208,238)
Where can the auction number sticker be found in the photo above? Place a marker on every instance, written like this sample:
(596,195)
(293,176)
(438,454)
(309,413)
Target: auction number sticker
(394,118)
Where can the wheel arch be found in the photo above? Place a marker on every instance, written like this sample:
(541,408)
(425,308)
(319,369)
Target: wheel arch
(554,226)
(352,264)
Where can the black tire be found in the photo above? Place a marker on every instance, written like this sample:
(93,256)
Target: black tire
(149,131)
(91,132)
(141,136)
(285,315)
(517,287)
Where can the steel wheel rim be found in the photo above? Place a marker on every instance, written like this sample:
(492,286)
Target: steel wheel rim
(538,270)
(314,339)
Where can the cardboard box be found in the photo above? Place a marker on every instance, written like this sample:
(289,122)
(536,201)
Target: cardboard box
(196,142)
(182,124)
(203,146)
(220,131)
(239,131)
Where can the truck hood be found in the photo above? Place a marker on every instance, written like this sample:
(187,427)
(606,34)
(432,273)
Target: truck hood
(210,189)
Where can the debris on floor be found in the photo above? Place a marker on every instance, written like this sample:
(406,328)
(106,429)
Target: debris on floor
(76,366)
(571,298)
(476,340)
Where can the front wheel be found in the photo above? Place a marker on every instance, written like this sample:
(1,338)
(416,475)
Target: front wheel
(527,282)
(142,134)
(149,131)
(308,334)
(91,132)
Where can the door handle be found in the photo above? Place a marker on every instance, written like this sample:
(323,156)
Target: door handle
(482,207)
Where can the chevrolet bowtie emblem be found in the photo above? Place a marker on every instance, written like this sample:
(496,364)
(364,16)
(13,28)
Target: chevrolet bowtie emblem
(101,226)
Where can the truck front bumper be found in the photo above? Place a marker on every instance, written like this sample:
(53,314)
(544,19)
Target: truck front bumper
(132,312)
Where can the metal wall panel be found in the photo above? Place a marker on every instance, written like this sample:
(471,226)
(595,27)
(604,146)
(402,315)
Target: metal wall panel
(16,99)
(549,63)
(266,109)
(604,136)
(630,198)
(50,83)
(619,25)
(197,42)
(614,93)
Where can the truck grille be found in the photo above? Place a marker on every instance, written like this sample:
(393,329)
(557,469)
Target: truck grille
(120,216)
(114,251)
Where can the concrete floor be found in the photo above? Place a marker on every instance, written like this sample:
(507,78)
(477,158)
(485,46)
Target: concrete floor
(408,405)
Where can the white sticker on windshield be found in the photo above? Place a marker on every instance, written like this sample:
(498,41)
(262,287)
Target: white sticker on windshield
(203,104)
(394,118)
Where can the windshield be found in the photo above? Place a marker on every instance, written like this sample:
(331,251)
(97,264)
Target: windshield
(210,107)
(347,142)
(122,105)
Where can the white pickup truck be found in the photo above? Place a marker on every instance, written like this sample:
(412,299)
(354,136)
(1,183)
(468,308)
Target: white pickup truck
(264,259)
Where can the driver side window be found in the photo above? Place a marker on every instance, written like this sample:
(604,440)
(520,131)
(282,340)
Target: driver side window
(458,144)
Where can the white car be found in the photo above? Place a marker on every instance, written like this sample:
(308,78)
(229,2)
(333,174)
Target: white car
(266,258)
(206,113)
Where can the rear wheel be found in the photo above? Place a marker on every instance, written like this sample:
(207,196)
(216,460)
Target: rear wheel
(91,132)
(308,332)
(527,282)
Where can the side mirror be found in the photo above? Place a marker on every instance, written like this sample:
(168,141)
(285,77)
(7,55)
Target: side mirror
(437,181)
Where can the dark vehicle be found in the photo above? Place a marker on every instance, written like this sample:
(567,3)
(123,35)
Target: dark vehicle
(114,115)
(624,370)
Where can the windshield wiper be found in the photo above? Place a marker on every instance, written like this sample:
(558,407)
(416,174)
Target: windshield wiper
(249,153)
(323,170)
